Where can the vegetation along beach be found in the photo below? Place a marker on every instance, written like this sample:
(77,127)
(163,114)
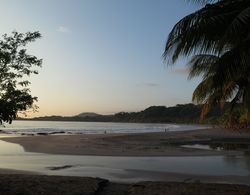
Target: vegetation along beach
(125,97)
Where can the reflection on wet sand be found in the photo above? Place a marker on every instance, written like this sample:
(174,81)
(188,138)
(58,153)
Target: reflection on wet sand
(129,169)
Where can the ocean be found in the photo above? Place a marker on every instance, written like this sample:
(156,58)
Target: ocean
(33,127)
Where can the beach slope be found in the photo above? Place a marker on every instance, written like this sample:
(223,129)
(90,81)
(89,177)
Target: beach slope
(134,144)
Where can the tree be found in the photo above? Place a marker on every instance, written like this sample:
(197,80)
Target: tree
(15,67)
(217,38)
(216,86)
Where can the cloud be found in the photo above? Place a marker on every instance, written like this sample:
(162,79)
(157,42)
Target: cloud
(181,70)
(63,29)
(149,84)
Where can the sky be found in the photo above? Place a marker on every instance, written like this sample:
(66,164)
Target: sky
(101,56)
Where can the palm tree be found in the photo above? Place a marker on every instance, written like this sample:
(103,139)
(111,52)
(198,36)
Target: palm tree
(218,38)
(213,28)
(216,86)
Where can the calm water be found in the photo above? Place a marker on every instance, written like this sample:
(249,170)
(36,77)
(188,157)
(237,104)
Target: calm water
(123,169)
(93,127)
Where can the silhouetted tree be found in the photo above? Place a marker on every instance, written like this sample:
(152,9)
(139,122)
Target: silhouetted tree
(217,38)
(15,67)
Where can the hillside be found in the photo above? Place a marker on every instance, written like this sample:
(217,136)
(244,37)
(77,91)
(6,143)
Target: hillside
(87,114)
(181,113)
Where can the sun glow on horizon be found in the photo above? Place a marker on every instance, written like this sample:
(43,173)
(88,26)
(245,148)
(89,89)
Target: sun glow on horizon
(102,57)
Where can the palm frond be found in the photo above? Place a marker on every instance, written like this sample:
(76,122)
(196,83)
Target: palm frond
(203,2)
(196,32)
(201,64)
(217,37)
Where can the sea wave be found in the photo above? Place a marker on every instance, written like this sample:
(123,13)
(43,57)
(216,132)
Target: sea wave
(33,127)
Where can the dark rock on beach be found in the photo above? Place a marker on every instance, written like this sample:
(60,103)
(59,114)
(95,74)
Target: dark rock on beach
(42,133)
(56,132)
(59,167)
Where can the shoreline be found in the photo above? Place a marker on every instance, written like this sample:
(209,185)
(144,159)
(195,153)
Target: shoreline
(4,171)
(139,145)
(134,144)
(154,176)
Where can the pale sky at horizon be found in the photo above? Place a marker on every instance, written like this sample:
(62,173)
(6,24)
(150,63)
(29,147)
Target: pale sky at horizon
(101,56)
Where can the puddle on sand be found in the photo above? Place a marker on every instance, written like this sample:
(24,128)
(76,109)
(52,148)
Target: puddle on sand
(220,146)
(198,146)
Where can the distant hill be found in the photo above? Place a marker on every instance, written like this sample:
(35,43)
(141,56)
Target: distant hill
(88,114)
(181,113)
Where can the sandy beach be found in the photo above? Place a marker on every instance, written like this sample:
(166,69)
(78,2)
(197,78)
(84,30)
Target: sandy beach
(41,184)
(143,144)
(137,144)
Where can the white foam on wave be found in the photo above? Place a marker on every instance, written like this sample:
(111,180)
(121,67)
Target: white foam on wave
(93,127)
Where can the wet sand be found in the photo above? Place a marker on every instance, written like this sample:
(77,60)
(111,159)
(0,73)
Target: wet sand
(139,144)
(16,172)
(35,184)
(145,144)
